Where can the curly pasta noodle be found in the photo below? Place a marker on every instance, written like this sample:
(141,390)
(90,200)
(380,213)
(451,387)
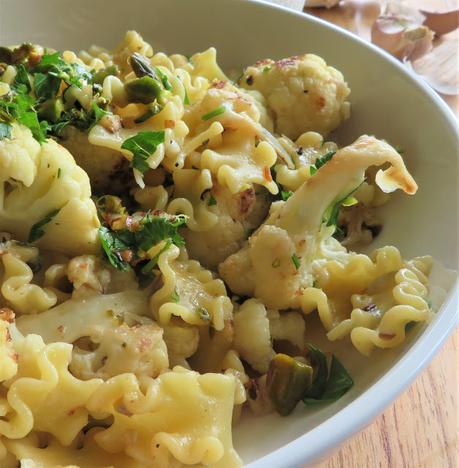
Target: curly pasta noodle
(190,292)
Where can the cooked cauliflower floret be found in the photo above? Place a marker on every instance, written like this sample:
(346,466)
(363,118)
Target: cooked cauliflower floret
(107,168)
(44,184)
(182,341)
(302,92)
(139,349)
(288,326)
(252,339)
(238,216)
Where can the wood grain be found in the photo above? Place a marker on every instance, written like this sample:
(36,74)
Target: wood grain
(421,428)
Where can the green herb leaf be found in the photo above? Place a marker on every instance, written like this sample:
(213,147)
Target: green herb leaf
(36,231)
(164,79)
(46,85)
(324,159)
(145,231)
(21,78)
(186,99)
(38,129)
(142,146)
(330,217)
(296,261)
(214,113)
(312,170)
(286,194)
(319,362)
(53,65)
(211,201)
(338,383)
(98,112)
(154,261)
(158,228)
(112,245)
(5,130)
(327,386)
(175,296)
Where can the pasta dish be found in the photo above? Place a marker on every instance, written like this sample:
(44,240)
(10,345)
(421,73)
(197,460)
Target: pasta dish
(168,233)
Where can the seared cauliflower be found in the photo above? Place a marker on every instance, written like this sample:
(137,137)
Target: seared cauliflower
(302,92)
(280,254)
(44,184)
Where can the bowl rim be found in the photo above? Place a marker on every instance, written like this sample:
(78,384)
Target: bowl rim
(311,446)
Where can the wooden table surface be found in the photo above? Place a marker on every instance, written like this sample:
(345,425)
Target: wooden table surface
(421,428)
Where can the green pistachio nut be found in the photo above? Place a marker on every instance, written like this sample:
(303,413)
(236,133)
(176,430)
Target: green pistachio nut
(144,90)
(287,382)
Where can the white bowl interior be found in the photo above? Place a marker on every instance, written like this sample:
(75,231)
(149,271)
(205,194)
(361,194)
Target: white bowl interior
(386,102)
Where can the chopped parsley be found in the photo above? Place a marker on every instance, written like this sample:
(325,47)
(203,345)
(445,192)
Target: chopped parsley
(37,231)
(37,94)
(210,115)
(5,130)
(142,146)
(98,112)
(175,296)
(330,217)
(164,79)
(286,194)
(321,161)
(296,261)
(211,201)
(186,99)
(126,239)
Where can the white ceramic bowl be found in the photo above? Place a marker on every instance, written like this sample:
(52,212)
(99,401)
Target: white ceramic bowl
(386,101)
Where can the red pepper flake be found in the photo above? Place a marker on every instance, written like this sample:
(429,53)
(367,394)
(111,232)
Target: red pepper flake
(7,314)
(72,411)
(321,102)
(263,62)
(267,174)
(286,62)
(126,255)
(145,343)
(83,266)
(219,84)
(386,336)
(169,123)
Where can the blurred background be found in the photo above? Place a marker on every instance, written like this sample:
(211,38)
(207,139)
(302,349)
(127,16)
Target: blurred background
(422,34)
